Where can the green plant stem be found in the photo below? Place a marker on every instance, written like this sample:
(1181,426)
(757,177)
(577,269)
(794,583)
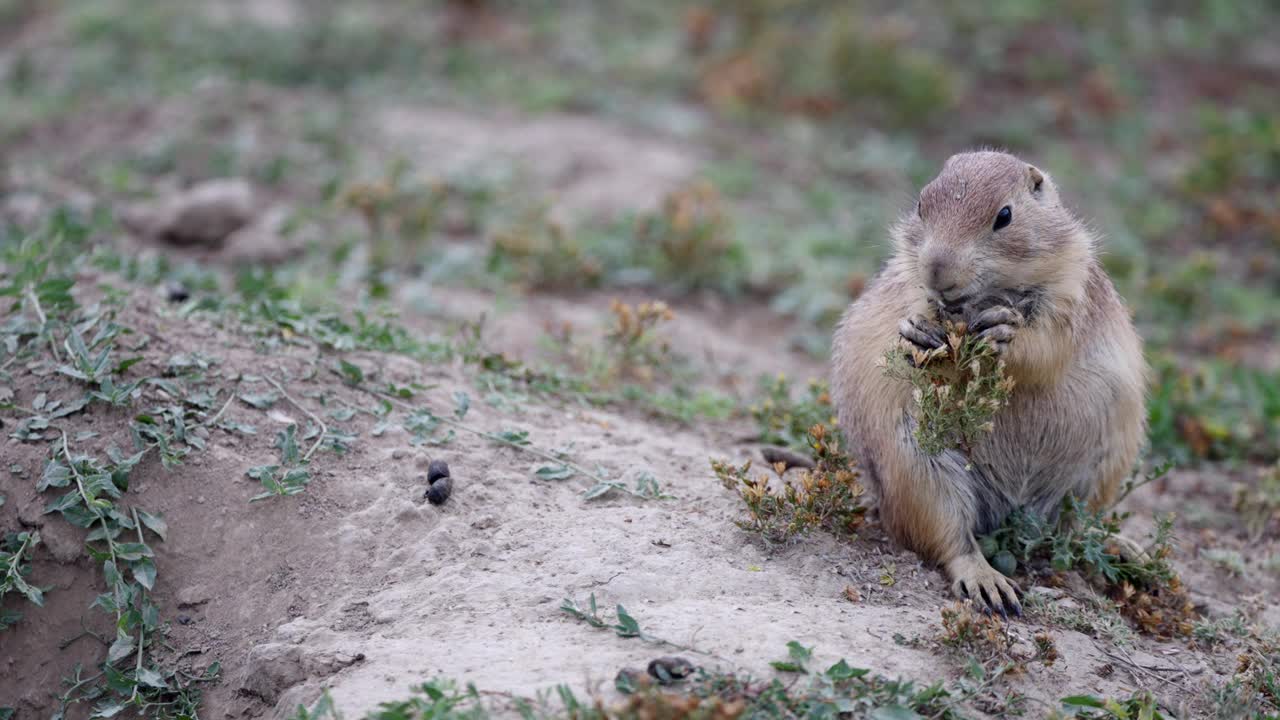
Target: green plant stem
(44,320)
(84,495)
(66,697)
(221,410)
(84,632)
(1131,486)
(142,626)
(324,430)
(17,560)
(492,436)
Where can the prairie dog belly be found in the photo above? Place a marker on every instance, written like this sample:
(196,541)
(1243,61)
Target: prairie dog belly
(1046,445)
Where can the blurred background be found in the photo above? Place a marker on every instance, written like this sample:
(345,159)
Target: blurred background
(738,160)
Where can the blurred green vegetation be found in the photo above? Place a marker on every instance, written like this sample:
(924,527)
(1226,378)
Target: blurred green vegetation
(817,120)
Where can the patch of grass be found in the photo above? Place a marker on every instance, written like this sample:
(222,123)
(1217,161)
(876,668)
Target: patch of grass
(1147,590)
(827,497)
(1239,151)
(1096,616)
(543,254)
(1259,506)
(1228,560)
(976,634)
(783,418)
(402,214)
(289,476)
(633,348)
(839,690)
(1221,630)
(82,346)
(776,60)
(1141,705)
(985,642)
(1214,411)
(326,49)
(958,389)
(1255,686)
(691,240)
(632,341)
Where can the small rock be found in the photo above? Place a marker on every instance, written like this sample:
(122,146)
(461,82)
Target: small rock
(203,215)
(1067,603)
(327,663)
(32,514)
(271,669)
(64,541)
(667,670)
(263,240)
(184,619)
(176,292)
(632,678)
(1047,592)
(399,454)
(193,596)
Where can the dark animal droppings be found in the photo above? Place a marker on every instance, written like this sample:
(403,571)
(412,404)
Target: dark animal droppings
(440,490)
(436,470)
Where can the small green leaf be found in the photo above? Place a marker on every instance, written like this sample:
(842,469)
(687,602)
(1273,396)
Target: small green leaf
(554,472)
(798,657)
(515,437)
(627,625)
(600,490)
(151,678)
(121,648)
(107,710)
(262,401)
(127,363)
(351,372)
(287,442)
(144,571)
(132,551)
(462,403)
(55,475)
(843,671)
(1083,701)
(155,523)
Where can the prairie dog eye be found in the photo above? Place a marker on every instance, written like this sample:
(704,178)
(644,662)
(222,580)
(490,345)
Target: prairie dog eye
(1004,217)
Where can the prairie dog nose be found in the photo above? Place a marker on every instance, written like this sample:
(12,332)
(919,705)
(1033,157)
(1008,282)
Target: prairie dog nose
(942,279)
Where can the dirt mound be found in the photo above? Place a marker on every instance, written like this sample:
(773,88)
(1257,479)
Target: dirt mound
(359,585)
(589,166)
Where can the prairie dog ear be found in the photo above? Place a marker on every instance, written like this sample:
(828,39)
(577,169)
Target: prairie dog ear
(1036,178)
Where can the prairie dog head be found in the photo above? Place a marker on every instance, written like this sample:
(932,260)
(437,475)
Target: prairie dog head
(989,224)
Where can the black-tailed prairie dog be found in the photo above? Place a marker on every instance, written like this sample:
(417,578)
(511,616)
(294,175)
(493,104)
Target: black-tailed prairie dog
(991,241)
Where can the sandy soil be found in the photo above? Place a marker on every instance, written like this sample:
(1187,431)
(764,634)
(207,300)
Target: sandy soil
(361,586)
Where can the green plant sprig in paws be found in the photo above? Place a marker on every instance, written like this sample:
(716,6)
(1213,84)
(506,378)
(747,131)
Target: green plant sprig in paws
(957,389)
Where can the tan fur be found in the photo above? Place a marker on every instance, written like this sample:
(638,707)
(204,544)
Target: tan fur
(1076,419)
